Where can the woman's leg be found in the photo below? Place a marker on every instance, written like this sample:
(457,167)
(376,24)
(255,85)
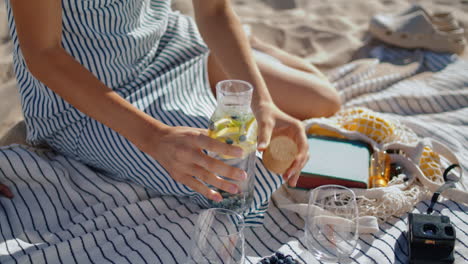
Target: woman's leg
(287,59)
(296,86)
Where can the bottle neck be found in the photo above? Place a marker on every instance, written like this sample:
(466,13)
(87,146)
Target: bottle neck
(234,95)
(234,103)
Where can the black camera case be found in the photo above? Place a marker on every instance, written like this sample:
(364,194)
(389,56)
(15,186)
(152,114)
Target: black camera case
(431,239)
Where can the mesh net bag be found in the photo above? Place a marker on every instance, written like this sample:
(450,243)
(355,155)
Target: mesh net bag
(398,197)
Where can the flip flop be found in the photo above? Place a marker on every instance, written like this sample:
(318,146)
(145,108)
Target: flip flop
(443,20)
(438,32)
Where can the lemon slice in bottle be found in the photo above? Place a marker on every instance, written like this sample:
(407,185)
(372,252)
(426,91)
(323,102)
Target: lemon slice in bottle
(236,132)
(222,123)
(251,128)
(227,133)
(216,128)
(248,141)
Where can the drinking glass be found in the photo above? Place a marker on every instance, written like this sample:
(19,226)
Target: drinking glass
(331,230)
(218,238)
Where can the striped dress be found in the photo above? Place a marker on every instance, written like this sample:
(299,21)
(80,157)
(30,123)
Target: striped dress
(150,55)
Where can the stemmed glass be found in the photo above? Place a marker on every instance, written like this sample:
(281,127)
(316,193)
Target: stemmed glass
(218,238)
(331,229)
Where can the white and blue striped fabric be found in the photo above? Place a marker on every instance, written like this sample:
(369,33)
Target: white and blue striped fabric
(66,212)
(151,56)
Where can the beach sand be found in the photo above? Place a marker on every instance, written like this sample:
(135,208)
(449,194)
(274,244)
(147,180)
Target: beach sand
(325,33)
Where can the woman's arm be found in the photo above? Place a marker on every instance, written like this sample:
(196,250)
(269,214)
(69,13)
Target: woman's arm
(39,29)
(38,25)
(222,31)
(178,149)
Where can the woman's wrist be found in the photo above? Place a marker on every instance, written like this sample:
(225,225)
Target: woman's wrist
(259,101)
(148,133)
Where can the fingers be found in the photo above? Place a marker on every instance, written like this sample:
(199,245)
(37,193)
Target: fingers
(265,130)
(220,168)
(214,180)
(213,145)
(5,191)
(301,138)
(294,171)
(199,187)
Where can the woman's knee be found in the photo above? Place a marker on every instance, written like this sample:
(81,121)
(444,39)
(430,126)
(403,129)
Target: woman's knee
(331,102)
(322,100)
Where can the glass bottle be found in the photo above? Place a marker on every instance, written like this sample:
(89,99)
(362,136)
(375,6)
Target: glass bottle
(234,123)
(379,169)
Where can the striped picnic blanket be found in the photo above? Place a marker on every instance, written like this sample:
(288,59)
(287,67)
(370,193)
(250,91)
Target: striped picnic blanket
(64,212)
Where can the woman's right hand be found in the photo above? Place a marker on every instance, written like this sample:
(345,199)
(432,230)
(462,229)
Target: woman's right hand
(180,151)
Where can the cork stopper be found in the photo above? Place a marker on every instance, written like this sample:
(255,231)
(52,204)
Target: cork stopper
(280,154)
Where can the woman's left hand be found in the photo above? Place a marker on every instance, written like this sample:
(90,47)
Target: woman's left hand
(272,121)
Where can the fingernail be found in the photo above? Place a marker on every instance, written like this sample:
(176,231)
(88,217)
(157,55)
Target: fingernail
(243,175)
(238,152)
(216,197)
(233,189)
(294,183)
(262,145)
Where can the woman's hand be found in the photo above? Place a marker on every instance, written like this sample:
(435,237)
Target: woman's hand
(180,151)
(272,121)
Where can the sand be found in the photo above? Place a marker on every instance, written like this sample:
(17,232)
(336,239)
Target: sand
(325,33)
(10,109)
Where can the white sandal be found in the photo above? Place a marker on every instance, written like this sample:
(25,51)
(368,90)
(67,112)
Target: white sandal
(416,28)
(444,21)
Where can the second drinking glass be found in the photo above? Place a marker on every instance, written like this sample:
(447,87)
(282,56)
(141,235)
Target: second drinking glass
(218,238)
(331,229)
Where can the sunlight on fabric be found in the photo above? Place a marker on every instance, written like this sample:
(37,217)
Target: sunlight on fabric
(10,247)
